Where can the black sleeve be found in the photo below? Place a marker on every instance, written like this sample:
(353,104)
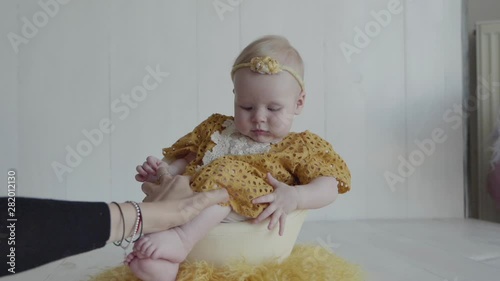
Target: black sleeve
(39,231)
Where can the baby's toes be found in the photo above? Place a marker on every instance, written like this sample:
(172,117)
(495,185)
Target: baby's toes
(140,255)
(139,244)
(148,249)
(145,249)
(130,257)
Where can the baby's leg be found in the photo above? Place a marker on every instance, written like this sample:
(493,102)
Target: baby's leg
(176,243)
(172,246)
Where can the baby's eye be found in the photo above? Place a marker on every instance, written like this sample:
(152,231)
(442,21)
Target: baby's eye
(274,108)
(246,107)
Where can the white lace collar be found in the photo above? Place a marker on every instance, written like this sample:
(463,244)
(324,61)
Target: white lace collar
(231,142)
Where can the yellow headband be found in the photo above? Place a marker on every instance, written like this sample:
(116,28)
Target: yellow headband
(267,65)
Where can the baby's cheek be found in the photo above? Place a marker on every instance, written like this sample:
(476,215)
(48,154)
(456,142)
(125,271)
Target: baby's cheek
(242,128)
(282,123)
(277,121)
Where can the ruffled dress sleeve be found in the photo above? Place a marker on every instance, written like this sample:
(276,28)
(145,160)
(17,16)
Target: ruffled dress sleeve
(321,161)
(195,141)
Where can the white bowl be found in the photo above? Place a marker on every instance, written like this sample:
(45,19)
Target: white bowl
(254,242)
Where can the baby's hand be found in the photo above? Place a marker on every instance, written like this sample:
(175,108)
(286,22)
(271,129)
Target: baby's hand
(282,201)
(147,171)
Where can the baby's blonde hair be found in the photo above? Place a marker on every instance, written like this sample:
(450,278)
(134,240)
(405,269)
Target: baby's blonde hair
(274,46)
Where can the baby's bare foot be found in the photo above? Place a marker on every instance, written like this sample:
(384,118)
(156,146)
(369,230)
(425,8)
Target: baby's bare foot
(130,257)
(171,245)
(154,270)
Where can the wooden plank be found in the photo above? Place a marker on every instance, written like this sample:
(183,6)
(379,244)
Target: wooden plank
(365,98)
(8,98)
(216,49)
(436,260)
(348,240)
(476,239)
(434,135)
(493,262)
(63,89)
(159,37)
(88,96)
(383,248)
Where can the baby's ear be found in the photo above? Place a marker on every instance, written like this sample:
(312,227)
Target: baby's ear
(300,102)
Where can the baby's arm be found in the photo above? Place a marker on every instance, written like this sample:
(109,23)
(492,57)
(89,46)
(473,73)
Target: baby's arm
(178,166)
(147,171)
(318,193)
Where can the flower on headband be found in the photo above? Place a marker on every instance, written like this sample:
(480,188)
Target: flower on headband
(265,65)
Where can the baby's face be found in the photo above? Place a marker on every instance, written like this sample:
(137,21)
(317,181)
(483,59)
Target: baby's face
(264,105)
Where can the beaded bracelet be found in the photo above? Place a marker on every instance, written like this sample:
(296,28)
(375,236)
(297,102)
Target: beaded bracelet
(137,225)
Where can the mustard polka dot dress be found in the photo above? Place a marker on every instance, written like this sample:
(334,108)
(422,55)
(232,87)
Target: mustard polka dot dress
(227,159)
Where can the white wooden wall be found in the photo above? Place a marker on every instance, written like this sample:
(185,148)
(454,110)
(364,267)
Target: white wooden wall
(398,89)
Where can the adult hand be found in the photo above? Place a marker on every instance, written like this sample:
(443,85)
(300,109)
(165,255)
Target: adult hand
(282,201)
(180,203)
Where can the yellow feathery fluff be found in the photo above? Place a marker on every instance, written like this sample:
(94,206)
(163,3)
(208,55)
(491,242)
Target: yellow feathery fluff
(306,262)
